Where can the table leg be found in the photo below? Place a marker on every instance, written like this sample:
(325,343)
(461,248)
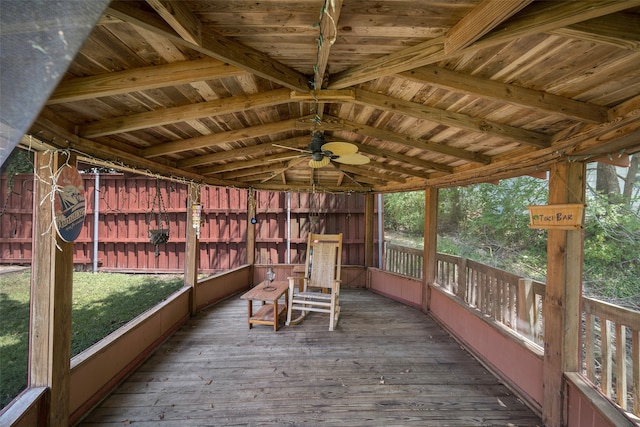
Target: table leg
(275,315)
(250,312)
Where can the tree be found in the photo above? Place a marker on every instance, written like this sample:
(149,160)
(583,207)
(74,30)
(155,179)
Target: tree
(631,179)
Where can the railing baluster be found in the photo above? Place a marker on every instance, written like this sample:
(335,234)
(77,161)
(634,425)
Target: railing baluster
(525,301)
(635,345)
(589,347)
(621,365)
(605,347)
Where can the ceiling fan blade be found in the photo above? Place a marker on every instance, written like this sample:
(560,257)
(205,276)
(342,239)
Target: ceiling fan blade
(292,148)
(353,159)
(315,164)
(340,148)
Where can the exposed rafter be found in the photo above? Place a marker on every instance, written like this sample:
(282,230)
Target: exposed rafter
(482,19)
(184,113)
(435,93)
(214,45)
(512,94)
(450,118)
(548,16)
(144,78)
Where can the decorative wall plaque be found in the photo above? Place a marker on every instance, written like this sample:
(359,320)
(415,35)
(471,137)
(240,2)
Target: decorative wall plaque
(69,203)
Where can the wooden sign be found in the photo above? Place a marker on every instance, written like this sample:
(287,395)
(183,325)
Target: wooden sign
(564,216)
(69,204)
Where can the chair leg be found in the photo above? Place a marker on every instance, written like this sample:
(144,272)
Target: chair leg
(289,305)
(332,313)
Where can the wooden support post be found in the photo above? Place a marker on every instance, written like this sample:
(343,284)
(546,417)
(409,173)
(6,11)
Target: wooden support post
(192,247)
(369,221)
(462,279)
(51,296)
(563,294)
(525,300)
(430,244)
(251,231)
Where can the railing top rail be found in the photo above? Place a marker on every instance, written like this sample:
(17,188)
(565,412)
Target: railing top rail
(448,257)
(493,271)
(622,315)
(405,249)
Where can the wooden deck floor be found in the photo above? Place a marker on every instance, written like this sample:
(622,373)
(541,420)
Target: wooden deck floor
(386,365)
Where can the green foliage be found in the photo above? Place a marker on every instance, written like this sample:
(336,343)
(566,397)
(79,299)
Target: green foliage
(489,223)
(19,161)
(101,304)
(495,218)
(611,249)
(405,212)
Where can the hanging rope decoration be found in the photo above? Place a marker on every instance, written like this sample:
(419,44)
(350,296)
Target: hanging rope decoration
(160,234)
(314,211)
(315,84)
(252,205)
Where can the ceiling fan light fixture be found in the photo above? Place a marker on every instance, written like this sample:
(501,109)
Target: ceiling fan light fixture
(319,163)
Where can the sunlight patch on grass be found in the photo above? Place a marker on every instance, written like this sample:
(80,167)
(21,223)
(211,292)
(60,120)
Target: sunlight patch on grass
(102,303)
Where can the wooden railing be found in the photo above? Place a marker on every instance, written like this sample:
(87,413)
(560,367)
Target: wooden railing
(610,353)
(403,260)
(507,298)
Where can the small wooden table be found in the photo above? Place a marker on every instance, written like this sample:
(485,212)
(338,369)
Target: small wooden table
(268,293)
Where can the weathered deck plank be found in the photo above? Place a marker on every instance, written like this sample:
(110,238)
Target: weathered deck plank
(386,364)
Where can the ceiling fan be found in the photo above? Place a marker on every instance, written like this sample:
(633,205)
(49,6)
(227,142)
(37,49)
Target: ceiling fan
(323,152)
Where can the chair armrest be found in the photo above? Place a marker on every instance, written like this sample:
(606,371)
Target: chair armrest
(293,280)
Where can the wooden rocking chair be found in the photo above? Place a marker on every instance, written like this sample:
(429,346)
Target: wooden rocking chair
(319,288)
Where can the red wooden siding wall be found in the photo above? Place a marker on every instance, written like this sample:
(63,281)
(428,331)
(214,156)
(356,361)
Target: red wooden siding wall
(128,210)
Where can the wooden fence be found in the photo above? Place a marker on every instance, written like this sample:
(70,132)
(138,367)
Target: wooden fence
(131,205)
(610,335)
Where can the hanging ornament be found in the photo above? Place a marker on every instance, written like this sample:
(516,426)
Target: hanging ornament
(160,234)
(196,217)
(69,203)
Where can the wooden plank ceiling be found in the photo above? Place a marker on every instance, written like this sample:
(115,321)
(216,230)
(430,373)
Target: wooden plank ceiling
(441,93)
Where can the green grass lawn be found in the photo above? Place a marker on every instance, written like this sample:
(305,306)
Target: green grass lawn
(101,304)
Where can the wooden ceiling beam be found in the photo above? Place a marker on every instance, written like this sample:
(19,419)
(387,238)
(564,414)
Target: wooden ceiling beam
(620,29)
(400,169)
(300,141)
(117,158)
(511,94)
(538,17)
(259,168)
(280,171)
(183,113)
(413,161)
(255,170)
(330,15)
(261,177)
(246,164)
(422,144)
(213,45)
(363,170)
(318,187)
(361,179)
(119,82)
(180,18)
(324,95)
(217,139)
(482,19)
(548,16)
(450,118)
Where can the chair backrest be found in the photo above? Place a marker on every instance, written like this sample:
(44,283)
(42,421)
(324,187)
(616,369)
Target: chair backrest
(324,259)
